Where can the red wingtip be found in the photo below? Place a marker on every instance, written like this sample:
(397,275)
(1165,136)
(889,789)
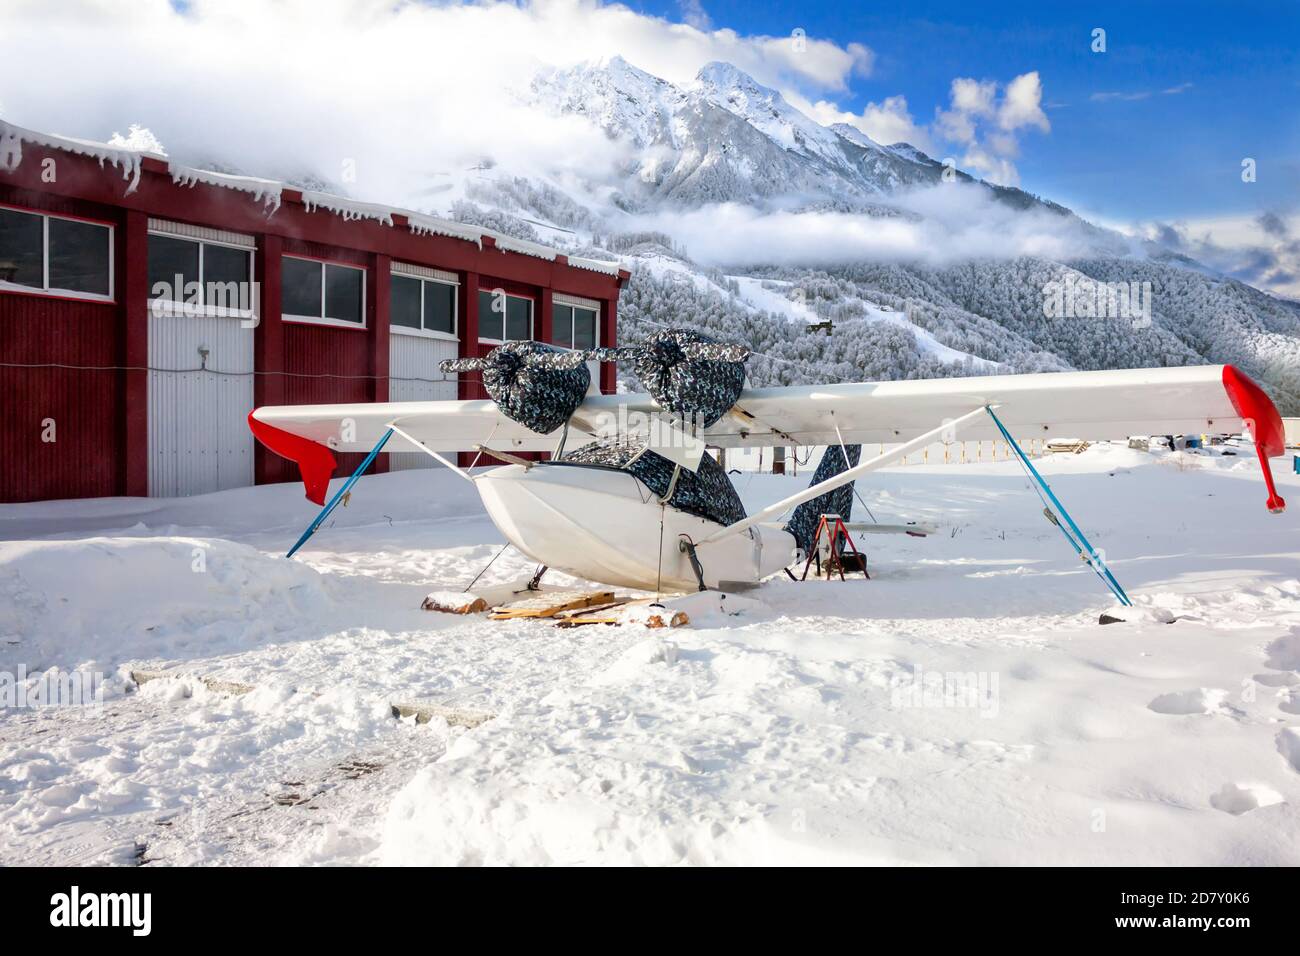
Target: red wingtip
(1263,421)
(315,462)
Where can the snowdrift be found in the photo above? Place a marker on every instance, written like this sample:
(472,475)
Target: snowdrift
(98,602)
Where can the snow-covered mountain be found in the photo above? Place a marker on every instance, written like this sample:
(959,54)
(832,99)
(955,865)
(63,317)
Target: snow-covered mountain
(768,112)
(724,137)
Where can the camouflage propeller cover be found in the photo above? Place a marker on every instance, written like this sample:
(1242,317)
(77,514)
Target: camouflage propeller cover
(691,374)
(537,385)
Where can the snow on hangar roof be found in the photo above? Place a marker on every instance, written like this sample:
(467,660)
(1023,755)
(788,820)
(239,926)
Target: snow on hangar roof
(270,193)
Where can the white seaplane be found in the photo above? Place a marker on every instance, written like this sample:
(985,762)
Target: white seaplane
(605,524)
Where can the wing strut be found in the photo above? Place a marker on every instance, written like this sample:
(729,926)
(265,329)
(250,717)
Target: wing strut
(392,426)
(1076,537)
(338,495)
(843,478)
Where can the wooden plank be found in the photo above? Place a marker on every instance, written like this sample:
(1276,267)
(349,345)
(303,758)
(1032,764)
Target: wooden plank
(590,610)
(581,621)
(625,613)
(423,712)
(485,598)
(211,683)
(551,604)
(453,603)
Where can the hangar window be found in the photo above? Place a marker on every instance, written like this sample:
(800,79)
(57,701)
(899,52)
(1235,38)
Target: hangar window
(330,293)
(503,317)
(201,275)
(423,301)
(575,323)
(55,255)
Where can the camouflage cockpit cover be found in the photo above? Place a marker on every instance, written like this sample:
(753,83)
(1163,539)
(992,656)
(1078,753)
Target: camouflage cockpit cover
(706,493)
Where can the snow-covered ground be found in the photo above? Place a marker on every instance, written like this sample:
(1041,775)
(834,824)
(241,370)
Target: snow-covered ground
(781,726)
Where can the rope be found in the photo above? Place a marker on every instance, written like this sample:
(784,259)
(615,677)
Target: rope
(392,378)
(215,371)
(474,464)
(848,464)
(659,574)
(485,567)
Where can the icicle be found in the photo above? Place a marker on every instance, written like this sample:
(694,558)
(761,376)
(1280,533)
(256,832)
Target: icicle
(422,225)
(11,148)
(349,210)
(266,191)
(595,265)
(130,164)
(11,151)
(524,247)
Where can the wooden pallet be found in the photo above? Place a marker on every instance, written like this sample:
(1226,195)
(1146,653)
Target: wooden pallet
(452,603)
(617,614)
(551,604)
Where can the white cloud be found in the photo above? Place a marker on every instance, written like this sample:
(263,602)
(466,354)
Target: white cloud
(410,92)
(1106,97)
(887,122)
(1260,249)
(1022,104)
(415,94)
(1004,144)
(971,96)
(954,126)
(890,122)
(986,165)
(986,124)
(694,14)
(953,222)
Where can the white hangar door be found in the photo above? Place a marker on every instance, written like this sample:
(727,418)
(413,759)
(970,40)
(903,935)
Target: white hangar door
(201,327)
(423,330)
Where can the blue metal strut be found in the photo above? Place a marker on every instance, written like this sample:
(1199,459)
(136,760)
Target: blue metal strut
(338,495)
(1081,546)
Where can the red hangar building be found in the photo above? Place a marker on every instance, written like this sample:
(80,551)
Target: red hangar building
(146,307)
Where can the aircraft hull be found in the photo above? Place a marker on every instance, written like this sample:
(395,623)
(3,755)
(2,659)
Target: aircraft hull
(604,525)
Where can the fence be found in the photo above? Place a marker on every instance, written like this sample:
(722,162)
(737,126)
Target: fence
(804,458)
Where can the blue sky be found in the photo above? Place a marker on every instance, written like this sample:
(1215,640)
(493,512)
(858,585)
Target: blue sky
(1141,154)
(1147,137)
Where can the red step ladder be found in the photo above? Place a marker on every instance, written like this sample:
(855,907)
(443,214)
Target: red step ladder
(836,537)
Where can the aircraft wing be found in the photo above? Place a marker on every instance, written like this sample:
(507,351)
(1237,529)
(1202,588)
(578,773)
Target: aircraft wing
(1084,405)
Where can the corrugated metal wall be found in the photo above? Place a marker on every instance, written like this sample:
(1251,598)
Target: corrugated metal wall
(85,460)
(198,431)
(413,359)
(325,365)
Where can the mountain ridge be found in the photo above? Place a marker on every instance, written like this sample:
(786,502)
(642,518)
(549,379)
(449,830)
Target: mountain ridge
(725,141)
(697,141)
